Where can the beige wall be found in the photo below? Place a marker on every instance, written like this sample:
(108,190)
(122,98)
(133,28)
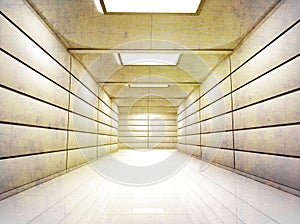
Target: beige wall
(189,125)
(53,116)
(249,105)
(148,124)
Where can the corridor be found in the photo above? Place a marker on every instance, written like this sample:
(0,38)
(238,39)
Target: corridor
(149,111)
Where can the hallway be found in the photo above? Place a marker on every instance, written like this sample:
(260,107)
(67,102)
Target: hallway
(153,111)
(198,193)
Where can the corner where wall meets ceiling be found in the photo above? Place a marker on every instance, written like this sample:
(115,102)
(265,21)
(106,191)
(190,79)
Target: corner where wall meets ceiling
(203,40)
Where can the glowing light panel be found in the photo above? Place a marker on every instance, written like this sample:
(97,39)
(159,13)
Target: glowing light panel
(147,58)
(152,6)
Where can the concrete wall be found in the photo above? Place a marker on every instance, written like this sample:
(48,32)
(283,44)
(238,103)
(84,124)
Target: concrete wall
(189,125)
(249,105)
(148,124)
(53,117)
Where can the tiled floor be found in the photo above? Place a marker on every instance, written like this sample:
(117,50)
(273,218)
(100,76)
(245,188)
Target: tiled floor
(198,193)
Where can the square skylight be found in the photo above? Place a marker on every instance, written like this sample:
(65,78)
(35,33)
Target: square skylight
(147,58)
(150,6)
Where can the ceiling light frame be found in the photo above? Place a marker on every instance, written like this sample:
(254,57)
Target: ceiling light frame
(147,85)
(147,58)
(105,11)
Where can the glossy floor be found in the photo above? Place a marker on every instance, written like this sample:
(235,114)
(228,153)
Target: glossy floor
(197,193)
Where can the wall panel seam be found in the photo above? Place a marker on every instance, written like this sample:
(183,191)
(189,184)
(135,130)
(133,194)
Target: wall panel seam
(47,53)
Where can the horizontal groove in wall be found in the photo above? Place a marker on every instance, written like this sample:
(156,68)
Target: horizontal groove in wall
(252,151)
(34,181)
(49,103)
(249,59)
(267,45)
(95,107)
(193,102)
(44,101)
(267,99)
(145,136)
(32,97)
(146,131)
(197,111)
(267,72)
(249,105)
(51,128)
(257,178)
(184,135)
(157,125)
(87,147)
(152,106)
(267,180)
(189,106)
(185,126)
(147,120)
(272,69)
(267,126)
(33,69)
(83,147)
(150,113)
(189,144)
(47,53)
(258,100)
(133,142)
(248,128)
(32,154)
(180,135)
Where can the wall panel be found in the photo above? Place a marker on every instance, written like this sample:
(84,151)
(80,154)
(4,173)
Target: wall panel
(148,124)
(249,105)
(31,82)
(17,140)
(50,106)
(219,156)
(21,109)
(279,140)
(25,170)
(37,59)
(189,124)
(281,170)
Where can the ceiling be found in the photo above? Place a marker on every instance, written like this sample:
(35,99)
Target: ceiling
(203,41)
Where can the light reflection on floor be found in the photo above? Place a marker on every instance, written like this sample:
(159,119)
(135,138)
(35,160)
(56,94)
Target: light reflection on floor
(192,195)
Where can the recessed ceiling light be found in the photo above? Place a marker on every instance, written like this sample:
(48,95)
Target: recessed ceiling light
(147,58)
(153,6)
(146,211)
(148,85)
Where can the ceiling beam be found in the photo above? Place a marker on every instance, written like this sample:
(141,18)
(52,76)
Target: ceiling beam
(151,98)
(169,83)
(181,51)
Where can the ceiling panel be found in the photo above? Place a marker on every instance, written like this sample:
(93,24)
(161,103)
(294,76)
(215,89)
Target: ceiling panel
(182,91)
(220,25)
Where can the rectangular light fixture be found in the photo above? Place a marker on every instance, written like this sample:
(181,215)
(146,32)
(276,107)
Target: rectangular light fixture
(148,85)
(147,211)
(147,58)
(151,6)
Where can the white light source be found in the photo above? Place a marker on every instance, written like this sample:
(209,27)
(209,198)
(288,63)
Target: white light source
(98,6)
(147,58)
(148,85)
(147,211)
(117,58)
(152,6)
